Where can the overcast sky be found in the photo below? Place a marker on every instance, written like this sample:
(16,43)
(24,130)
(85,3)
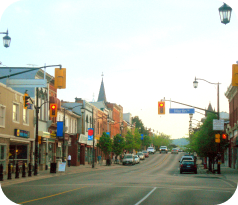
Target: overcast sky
(147,50)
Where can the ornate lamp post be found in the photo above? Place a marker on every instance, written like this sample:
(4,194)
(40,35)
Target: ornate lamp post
(6,39)
(195,85)
(225,13)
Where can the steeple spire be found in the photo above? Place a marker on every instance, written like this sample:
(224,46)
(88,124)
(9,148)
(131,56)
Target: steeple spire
(102,95)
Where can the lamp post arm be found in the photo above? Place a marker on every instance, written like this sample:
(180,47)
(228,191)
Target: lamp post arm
(206,81)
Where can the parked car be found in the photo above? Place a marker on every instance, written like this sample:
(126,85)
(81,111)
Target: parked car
(141,155)
(145,153)
(188,166)
(163,149)
(174,151)
(186,157)
(137,159)
(151,150)
(128,159)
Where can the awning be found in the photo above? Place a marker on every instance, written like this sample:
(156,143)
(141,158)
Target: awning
(44,134)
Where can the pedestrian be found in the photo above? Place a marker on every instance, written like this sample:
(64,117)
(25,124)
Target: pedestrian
(69,160)
(99,159)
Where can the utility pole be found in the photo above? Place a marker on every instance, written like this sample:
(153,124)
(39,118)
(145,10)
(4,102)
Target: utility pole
(36,139)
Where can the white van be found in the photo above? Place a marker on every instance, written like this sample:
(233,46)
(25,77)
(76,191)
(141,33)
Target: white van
(151,150)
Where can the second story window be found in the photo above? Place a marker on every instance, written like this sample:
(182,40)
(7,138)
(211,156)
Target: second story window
(25,116)
(15,112)
(2,115)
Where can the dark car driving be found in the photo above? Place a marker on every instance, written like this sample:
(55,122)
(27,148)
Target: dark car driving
(188,166)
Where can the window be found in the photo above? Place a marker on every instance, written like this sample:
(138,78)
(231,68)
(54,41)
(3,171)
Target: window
(25,116)
(15,112)
(3,155)
(2,115)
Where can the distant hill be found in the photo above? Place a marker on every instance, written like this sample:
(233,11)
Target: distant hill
(180,142)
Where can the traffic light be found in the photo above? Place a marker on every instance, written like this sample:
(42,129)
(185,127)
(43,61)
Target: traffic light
(25,101)
(235,75)
(224,136)
(53,110)
(60,78)
(161,108)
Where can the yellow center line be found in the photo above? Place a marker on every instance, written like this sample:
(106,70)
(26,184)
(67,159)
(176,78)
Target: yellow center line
(51,195)
(156,165)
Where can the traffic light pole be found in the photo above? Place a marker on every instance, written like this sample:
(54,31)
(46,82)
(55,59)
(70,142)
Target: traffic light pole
(36,139)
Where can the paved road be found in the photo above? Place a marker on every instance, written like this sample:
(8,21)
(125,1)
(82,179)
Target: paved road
(154,181)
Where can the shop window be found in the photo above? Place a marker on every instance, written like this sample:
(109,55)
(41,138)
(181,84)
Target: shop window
(15,112)
(2,115)
(3,154)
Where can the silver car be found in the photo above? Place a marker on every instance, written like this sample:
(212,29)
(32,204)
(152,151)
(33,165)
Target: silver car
(137,159)
(128,159)
(141,155)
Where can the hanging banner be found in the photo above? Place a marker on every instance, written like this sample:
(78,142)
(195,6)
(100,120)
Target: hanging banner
(60,126)
(90,133)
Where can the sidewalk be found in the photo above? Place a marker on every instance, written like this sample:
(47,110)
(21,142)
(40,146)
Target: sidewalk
(47,174)
(226,172)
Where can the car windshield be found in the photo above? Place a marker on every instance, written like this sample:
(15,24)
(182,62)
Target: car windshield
(163,147)
(128,156)
(144,151)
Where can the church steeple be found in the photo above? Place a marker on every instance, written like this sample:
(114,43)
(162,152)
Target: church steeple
(102,95)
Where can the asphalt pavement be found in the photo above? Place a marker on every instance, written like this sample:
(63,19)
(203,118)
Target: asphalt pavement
(226,173)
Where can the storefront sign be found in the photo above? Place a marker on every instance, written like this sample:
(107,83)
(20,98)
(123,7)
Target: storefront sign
(97,137)
(62,166)
(83,139)
(53,134)
(44,134)
(21,133)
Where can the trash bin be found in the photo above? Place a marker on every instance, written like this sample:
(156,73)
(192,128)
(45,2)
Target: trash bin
(53,167)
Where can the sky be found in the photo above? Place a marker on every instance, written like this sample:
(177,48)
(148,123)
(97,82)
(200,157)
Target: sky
(146,50)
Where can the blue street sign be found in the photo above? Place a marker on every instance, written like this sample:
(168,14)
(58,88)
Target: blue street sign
(181,110)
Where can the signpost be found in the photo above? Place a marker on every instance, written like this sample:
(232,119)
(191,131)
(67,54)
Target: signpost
(181,110)
(218,125)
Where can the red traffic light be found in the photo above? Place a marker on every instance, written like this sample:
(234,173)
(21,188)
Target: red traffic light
(224,136)
(53,107)
(161,104)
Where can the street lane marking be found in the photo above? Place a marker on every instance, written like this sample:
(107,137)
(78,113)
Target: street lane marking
(146,196)
(51,195)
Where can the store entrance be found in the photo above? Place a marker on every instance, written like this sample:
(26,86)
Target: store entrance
(18,154)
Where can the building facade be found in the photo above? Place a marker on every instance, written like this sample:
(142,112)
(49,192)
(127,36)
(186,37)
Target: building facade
(16,129)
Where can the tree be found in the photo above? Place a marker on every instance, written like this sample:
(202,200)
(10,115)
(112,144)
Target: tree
(118,144)
(137,140)
(129,141)
(105,144)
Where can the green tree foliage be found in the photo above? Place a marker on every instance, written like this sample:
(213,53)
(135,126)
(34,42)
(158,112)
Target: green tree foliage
(146,142)
(118,144)
(161,140)
(137,140)
(129,141)
(139,125)
(105,144)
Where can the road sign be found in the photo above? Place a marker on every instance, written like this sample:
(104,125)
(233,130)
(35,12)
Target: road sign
(218,125)
(181,110)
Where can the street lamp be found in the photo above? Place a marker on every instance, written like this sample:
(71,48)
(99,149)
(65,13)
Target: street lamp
(195,85)
(6,39)
(225,13)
